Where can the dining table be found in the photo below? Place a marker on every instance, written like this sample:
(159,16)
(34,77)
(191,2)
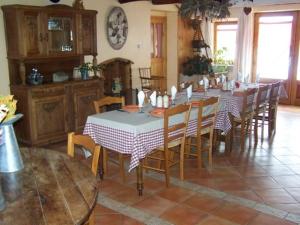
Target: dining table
(52,189)
(138,133)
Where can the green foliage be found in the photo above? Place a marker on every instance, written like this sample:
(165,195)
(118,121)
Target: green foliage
(211,9)
(197,65)
(220,57)
(86,66)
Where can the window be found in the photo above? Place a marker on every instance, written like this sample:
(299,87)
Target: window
(273,46)
(156,39)
(225,39)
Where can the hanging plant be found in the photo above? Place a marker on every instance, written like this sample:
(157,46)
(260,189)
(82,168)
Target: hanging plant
(206,9)
(209,9)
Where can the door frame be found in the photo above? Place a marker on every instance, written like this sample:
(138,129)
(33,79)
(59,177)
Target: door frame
(163,19)
(291,70)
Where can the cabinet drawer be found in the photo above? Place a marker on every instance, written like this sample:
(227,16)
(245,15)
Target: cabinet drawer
(46,92)
(87,85)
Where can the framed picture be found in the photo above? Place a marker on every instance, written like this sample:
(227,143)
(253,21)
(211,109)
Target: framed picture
(117,28)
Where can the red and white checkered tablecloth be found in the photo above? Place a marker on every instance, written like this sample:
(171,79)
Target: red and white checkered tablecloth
(115,131)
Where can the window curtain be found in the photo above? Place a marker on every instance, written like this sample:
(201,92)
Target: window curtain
(206,27)
(244,45)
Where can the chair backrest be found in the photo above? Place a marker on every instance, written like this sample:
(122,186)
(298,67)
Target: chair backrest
(262,96)
(145,76)
(207,120)
(106,101)
(274,93)
(176,132)
(86,142)
(248,101)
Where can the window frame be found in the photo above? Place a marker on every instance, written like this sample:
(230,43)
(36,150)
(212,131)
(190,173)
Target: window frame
(233,22)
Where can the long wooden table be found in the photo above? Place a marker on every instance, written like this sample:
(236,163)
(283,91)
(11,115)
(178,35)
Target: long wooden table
(52,189)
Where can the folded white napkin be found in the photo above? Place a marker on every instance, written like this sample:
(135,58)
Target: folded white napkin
(218,80)
(201,82)
(246,78)
(141,98)
(240,76)
(153,98)
(223,78)
(206,82)
(189,91)
(173,92)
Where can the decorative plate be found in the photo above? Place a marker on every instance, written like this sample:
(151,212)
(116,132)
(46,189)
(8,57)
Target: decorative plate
(131,108)
(117,28)
(158,112)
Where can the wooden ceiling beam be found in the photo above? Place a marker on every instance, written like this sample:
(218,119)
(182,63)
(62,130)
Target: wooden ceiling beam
(155,2)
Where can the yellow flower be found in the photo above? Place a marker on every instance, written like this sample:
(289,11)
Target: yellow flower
(11,104)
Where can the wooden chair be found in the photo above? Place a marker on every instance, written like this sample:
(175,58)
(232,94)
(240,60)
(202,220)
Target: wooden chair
(149,82)
(271,108)
(246,115)
(260,110)
(174,137)
(107,101)
(205,126)
(99,105)
(88,143)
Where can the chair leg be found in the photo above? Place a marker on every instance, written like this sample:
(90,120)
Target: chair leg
(181,162)
(105,158)
(243,123)
(122,169)
(199,151)
(210,148)
(91,219)
(263,125)
(167,175)
(256,130)
(270,117)
(250,131)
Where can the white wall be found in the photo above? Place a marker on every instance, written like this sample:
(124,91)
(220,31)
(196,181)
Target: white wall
(137,47)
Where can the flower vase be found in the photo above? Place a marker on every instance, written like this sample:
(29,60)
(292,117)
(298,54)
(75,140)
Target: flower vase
(10,156)
(84,74)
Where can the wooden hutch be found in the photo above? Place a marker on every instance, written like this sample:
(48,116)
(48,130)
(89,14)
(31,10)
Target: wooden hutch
(53,39)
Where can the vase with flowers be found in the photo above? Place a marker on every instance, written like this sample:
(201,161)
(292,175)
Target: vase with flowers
(10,157)
(84,70)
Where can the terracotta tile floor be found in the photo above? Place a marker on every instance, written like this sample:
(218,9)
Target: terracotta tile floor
(259,186)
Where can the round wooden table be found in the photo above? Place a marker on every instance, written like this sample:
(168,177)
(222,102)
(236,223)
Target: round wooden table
(52,189)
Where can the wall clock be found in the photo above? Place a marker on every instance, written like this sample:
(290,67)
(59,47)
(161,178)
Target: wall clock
(117,28)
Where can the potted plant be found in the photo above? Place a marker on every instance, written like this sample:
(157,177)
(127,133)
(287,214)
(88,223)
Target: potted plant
(220,63)
(98,68)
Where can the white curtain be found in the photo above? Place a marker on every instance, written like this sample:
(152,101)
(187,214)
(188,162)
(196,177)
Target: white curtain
(206,27)
(243,56)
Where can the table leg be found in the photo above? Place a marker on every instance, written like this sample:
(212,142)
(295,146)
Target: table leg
(139,178)
(100,165)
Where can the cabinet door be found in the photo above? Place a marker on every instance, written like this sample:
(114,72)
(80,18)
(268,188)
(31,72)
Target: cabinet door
(49,118)
(88,34)
(83,103)
(33,37)
(60,34)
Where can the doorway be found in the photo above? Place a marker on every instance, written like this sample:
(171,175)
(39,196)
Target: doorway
(159,49)
(276,51)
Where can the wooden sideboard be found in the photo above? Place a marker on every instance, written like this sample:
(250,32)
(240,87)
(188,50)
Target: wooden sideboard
(52,110)
(52,39)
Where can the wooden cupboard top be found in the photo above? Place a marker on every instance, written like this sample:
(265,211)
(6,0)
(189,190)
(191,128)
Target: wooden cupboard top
(52,189)
(80,82)
(49,8)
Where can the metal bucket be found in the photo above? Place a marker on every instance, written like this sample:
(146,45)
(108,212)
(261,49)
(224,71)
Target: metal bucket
(10,157)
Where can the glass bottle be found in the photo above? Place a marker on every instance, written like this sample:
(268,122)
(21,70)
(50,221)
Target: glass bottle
(166,100)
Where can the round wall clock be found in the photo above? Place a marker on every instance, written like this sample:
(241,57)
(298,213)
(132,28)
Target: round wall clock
(117,28)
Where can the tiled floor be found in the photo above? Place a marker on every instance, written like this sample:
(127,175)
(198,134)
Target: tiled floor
(259,186)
